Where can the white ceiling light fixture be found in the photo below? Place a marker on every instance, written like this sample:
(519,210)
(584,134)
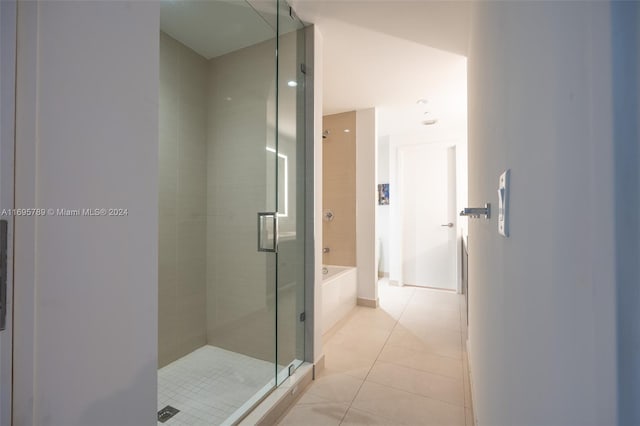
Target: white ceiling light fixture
(429,119)
(292,83)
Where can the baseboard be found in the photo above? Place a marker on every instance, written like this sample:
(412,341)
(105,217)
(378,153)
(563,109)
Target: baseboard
(472,390)
(369,303)
(318,367)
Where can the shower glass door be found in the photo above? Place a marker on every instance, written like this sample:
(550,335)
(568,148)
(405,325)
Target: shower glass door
(291,147)
(231,206)
(242,204)
(218,171)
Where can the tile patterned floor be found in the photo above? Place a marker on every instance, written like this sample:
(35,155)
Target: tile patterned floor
(210,385)
(404,363)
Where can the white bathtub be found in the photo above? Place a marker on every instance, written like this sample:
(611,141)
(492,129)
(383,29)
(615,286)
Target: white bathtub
(339,294)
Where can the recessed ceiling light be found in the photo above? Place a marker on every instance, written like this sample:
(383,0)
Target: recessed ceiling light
(347,130)
(422,101)
(292,83)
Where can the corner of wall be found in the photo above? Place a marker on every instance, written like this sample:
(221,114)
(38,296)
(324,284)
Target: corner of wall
(366,147)
(317,56)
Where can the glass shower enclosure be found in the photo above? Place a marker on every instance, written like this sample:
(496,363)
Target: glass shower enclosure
(231,206)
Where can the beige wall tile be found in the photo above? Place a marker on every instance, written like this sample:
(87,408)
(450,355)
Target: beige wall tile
(217,117)
(182,180)
(240,293)
(339,189)
(241,288)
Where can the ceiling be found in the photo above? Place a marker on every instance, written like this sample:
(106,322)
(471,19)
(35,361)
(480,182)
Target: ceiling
(386,54)
(389,54)
(443,24)
(364,68)
(214,28)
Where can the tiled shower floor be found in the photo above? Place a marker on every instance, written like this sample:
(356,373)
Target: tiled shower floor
(212,386)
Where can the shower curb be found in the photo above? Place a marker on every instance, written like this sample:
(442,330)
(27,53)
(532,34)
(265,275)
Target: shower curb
(274,406)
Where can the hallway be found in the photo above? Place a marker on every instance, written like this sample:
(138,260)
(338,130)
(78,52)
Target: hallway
(404,363)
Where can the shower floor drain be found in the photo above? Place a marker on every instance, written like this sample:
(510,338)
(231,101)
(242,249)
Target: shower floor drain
(166,413)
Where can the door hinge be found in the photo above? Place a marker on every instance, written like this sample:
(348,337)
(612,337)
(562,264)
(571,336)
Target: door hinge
(303,317)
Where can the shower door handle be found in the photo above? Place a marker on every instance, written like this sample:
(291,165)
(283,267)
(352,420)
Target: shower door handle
(268,231)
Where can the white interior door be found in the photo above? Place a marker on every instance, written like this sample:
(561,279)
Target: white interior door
(7,133)
(429,227)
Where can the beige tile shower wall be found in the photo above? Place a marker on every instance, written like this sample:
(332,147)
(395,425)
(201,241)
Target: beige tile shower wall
(182,201)
(339,189)
(240,280)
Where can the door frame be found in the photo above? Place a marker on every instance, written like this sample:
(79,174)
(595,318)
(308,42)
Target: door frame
(396,224)
(24,244)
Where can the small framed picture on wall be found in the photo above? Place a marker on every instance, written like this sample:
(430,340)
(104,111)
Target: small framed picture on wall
(383,194)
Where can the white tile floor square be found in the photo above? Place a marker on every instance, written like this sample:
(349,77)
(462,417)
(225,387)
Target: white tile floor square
(210,386)
(401,364)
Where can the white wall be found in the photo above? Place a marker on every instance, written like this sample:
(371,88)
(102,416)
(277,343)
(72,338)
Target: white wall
(86,287)
(395,217)
(542,302)
(366,206)
(382,212)
(318,353)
